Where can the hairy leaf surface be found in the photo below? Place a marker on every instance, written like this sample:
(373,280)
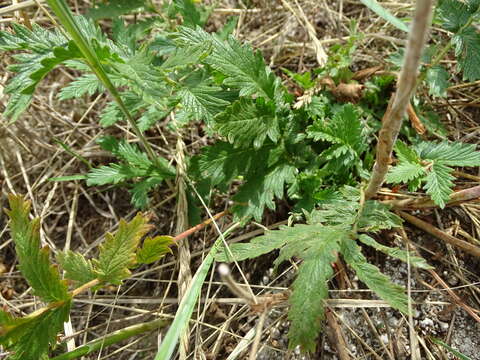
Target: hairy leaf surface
(117,253)
(373,278)
(34,262)
(76,267)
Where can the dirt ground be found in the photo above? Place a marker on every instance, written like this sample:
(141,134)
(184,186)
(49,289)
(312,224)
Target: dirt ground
(76,217)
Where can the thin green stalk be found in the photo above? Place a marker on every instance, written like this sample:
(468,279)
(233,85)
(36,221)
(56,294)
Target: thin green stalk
(61,9)
(185,309)
(111,339)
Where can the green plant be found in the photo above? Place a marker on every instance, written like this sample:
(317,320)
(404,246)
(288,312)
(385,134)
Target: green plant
(30,337)
(430,163)
(315,153)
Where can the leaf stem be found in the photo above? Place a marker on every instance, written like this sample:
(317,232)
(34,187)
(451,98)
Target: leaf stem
(200,226)
(393,117)
(111,339)
(61,9)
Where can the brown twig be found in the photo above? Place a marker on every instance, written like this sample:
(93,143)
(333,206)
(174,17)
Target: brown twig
(392,120)
(455,297)
(455,198)
(200,226)
(432,230)
(337,334)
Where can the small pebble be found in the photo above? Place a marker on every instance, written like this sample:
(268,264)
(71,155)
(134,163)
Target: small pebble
(384,338)
(427,322)
(443,325)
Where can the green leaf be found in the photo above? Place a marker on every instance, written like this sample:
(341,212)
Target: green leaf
(307,308)
(200,99)
(346,132)
(245,122)
(270,241)
(112,174)
(405,172)
(76,267)
(372,277)
(117,252)
(242,67)
(439,183)
(69,178)
(58,56)
(406,153)
(34,262)
(192,16)
(318,245)
(115,8)
(141,189)
(395,252)
(36,45)
(259,191)
(125,151)
(31,340)
(437,81)
(220,162)
(17,104)
(453,14)
(448,153)
(85,84)
(154,249)
(385,14)
(343,212)
(467,52)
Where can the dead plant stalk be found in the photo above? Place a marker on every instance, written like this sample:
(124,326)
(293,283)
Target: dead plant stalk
(393,117)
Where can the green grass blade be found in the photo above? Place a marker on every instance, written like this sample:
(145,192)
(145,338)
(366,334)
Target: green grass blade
(185,309)
(385,14)
(456,353)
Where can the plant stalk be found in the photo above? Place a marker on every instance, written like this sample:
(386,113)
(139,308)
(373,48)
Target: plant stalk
(111,339)
(61,9)
(393,117)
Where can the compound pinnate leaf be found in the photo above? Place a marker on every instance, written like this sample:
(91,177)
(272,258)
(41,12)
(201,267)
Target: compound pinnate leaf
(245,123)
(117,253)
(76,267)
(154,249)
(34,262)
(31,340)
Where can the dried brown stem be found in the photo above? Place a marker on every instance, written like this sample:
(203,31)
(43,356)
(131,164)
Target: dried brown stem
(392,120)
(455,198)
(432,230)
(337,335)
(456,299)
(199,226)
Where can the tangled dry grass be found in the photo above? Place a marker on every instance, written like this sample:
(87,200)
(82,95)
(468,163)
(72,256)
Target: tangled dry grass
(293,34)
